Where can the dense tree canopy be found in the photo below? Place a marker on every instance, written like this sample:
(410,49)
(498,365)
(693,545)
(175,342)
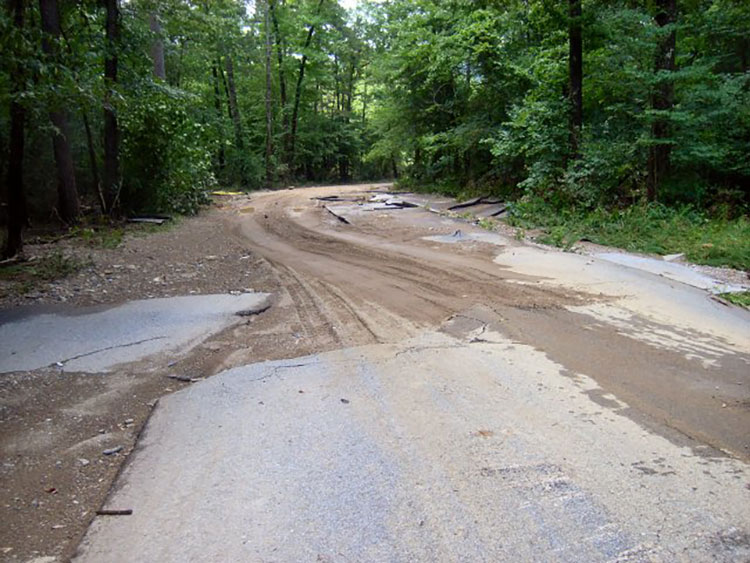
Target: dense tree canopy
(147,104)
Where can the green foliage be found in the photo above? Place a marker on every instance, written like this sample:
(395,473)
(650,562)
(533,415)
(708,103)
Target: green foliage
(741,298)
(464,97)
(652,228)
(167,162)
(103,236)
(50,267)
(477,92)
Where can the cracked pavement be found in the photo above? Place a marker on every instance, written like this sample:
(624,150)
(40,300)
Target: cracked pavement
(96,339)
(438,449)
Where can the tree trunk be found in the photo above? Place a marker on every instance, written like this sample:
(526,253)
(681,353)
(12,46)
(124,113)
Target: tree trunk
(217,105)
(97,187)
(298,92)
(337,92)
(269,108)
(662,99)
(350,88)
(575,64)
(282,77)
(364,102)
(67,192)
(226,89)
(111,130)
(157,47)
(233,108)
(295,110)
(17,214)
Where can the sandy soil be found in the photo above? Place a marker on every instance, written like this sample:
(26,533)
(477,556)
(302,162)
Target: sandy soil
(335,285)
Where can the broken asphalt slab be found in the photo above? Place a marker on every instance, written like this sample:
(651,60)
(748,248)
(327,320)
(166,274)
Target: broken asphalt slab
(95,339)
(435,449)
(683,317)
(670,270)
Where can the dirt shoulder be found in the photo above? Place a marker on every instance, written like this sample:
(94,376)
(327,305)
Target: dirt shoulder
(55,425)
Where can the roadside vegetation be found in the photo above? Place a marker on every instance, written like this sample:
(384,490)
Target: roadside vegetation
(25,276)
(648,228)
(740,298)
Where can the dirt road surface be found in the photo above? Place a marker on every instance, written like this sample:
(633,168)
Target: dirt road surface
(475,399)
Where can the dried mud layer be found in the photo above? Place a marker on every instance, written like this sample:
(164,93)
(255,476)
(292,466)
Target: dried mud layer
(334,285)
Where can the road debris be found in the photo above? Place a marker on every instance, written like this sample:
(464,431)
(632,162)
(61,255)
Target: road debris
(253,312)
(475,201)
(112,451)
(110,512)
(150,219)
(184,378)
(339,217)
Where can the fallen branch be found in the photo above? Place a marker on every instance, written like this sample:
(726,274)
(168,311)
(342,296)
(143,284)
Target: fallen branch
(107,512)
(184,378)
(500,211)
(154,219)
(252,312)
(476,201)
(339,217)
(12,261)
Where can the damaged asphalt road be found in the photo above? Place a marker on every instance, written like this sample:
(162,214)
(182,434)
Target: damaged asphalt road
(96,339)
(482,400)
(438,449)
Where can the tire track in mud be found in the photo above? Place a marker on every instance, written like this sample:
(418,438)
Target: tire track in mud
(412,287)
(308,307)
(330,318)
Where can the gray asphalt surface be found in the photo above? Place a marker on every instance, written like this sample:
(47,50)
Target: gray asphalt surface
(96,339)
(444,448)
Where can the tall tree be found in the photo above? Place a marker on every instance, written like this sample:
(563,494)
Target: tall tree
(157,46)
(269,108)
(279,40)
(17,213)
(111,129)
(96,180)
(575,68)
(662,98)
(67,192)
(221,156)
(298,88)
(234,109)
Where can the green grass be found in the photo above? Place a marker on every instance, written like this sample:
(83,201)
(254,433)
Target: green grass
(741,298)
(487,224)
(111,235)
(53,266)
(652,228)
(446,188)
(103,236)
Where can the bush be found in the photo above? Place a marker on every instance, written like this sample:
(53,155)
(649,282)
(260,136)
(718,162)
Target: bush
(650,228)
(166,162)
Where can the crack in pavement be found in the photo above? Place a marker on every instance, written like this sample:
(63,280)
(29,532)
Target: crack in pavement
(115,347)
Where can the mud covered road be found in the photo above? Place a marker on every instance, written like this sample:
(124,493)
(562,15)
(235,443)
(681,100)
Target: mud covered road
(678,358)
(420,389)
